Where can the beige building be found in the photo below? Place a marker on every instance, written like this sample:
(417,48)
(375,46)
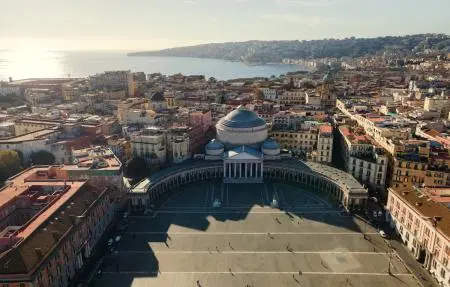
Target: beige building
(363,157)
(424,226)
(310,138)
(417,163)
(440,104)
(292,97)
(177,139)
(150,144)
(125,105)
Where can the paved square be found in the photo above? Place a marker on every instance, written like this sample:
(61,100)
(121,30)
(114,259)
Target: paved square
(307,242)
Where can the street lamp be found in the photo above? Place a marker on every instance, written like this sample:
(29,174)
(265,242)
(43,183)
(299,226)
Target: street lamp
(389,263)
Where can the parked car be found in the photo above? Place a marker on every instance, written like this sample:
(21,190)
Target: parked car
(110,242)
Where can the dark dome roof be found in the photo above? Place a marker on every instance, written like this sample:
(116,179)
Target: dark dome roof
(157,97)
(270,144)
(242,118)
(214,145)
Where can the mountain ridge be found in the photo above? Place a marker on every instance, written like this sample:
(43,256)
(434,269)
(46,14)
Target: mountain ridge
(259,51)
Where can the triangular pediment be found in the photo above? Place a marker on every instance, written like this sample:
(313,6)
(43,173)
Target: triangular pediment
(241,156)
(243,153)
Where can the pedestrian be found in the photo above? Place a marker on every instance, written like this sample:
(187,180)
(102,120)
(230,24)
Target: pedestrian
(198,283)
(300,272)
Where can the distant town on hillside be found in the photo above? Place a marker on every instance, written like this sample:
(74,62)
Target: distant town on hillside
(258,52)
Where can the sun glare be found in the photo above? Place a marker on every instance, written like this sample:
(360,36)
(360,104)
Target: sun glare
(28,63)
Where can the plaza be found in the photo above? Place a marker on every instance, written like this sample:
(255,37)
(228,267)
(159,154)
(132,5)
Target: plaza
(305,241)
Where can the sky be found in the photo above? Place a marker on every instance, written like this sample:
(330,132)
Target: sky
(134,25)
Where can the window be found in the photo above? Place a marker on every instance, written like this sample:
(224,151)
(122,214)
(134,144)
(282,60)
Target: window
(442,272)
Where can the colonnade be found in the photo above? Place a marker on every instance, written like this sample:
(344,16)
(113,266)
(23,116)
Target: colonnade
(217,170)
(242,171)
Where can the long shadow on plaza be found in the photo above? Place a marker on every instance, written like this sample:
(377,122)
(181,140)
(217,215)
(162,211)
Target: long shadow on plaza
(142,260)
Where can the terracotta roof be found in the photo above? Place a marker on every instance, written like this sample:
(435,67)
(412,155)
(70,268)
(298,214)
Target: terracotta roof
(28,254)
(426,207)
(325,129)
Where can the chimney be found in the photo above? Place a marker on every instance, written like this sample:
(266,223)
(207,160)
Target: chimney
(56,235)
(39,252)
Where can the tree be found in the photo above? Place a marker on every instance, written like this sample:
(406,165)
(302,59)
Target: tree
(136,168)
(42,157)
(9,164)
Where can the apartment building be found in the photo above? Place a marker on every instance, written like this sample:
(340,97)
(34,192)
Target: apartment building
(437,103)
(363,157)
(113,80)
(325,144)
(421,162)
(150,143)
(49,225)
(126,105)
(292,97)
(269,94)
(178,141)
(307,138)
(424,226)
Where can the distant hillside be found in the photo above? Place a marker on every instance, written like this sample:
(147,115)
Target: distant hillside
(275,51)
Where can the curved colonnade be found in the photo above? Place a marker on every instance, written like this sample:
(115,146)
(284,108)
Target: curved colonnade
(344,189)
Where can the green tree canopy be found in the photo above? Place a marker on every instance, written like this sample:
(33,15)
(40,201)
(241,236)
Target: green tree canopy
(9,164)
(42,157)
(135,168)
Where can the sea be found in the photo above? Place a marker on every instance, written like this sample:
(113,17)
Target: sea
(22,64)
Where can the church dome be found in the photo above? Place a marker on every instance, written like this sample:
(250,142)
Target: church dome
(214,147)
(270,147)
(241,127)
(242,118)
(270,144)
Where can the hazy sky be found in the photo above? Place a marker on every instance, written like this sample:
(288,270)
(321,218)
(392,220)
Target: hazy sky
(155,24)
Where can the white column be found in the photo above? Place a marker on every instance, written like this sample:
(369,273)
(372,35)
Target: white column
(261,172)
(224,170)
(229,170)
(240,169)
(246,169)
(235,169)
(251,169)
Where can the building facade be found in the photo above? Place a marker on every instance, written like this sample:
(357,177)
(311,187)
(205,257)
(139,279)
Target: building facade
(424,227)
(363,157)
(49,226)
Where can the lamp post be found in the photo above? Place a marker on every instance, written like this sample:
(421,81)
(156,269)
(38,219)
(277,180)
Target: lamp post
(389,264)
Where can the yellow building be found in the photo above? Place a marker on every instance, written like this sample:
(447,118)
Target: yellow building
(417,163)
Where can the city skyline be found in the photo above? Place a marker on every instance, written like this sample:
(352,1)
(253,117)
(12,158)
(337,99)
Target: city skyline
(138,25)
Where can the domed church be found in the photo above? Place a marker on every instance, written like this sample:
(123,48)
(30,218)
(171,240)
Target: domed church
(243,145)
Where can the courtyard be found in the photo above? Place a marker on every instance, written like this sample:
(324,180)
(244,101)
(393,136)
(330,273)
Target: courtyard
(305,240)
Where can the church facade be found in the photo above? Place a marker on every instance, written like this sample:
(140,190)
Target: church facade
(241,153)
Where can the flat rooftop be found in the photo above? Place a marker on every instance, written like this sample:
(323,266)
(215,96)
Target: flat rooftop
(30,136)
(98,158)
